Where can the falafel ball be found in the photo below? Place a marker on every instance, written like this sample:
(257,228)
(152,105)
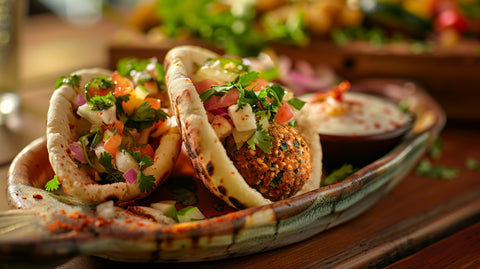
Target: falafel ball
(277,175)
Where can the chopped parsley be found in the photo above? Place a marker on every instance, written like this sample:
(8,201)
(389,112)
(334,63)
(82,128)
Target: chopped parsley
(264,102)
(110,175)
(100,103)
(72,80)
(436,148)
(296,103)
(101,83)
(262,139)
(426,168)
(284,146)
(53,184)
(146,183)
(125,66)
(339,174)
(144,117)
(472,164)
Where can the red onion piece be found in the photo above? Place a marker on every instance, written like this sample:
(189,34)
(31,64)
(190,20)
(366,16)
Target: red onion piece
(219,111)
(77,150)
(130,176)
(80,100)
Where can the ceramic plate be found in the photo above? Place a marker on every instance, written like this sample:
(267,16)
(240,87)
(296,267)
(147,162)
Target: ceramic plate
(43,225)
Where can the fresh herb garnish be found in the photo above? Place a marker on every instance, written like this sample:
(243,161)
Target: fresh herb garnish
(146,183)
(243,81)
(296,103)
(100,103)
(126,65)
(101,83)
(144,117)
(265,104)
(110,175)
(262,139)
(72,80)
(426,168)
(53,184)
(436,148)
(472,164)
(236,32)
(339,174)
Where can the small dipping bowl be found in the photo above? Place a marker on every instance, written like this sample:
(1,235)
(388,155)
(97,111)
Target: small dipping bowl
(360,150)
(343,146)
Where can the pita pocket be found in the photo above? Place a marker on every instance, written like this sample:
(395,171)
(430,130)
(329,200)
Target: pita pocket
(105,146)
(247,142)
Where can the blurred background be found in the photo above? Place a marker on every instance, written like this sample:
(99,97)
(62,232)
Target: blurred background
(432,42)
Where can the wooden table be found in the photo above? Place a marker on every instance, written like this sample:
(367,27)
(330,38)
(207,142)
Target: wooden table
(423,222)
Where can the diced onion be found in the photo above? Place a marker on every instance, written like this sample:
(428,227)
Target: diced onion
(125,162)
(76,148)
(130,176)
(80,100)
(106,210)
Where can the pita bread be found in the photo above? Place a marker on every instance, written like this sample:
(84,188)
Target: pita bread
(63,129)
(206,151)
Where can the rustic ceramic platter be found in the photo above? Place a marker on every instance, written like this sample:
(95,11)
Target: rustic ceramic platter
(43,225)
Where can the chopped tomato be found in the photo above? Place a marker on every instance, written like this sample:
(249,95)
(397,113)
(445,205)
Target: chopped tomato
(216,102)
(284,114)
(204,85)
(146,150)
(112,144)
(116,124)
(336,92)
(257,84)
(123,85)
(99,92)
(154,103)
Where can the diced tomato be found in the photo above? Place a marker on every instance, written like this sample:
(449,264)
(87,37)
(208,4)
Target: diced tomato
(146,150)
(116,124)
(337,92)
(204,85)
(112,144)
(154,103)
(216,102)
(123,85)
(257,84)
(99,92)
(284,114)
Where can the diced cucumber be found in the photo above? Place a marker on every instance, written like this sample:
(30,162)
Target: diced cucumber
(215,70)
(167,208)
(190,213)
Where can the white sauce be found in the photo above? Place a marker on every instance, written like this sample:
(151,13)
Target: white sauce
(357,114)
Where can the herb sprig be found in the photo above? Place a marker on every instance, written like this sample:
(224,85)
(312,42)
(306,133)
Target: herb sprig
(72,80)
(265,103)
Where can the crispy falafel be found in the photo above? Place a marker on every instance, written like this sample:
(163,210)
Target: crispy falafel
(281,173)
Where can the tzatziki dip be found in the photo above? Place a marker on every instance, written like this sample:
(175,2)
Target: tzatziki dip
(354,114)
